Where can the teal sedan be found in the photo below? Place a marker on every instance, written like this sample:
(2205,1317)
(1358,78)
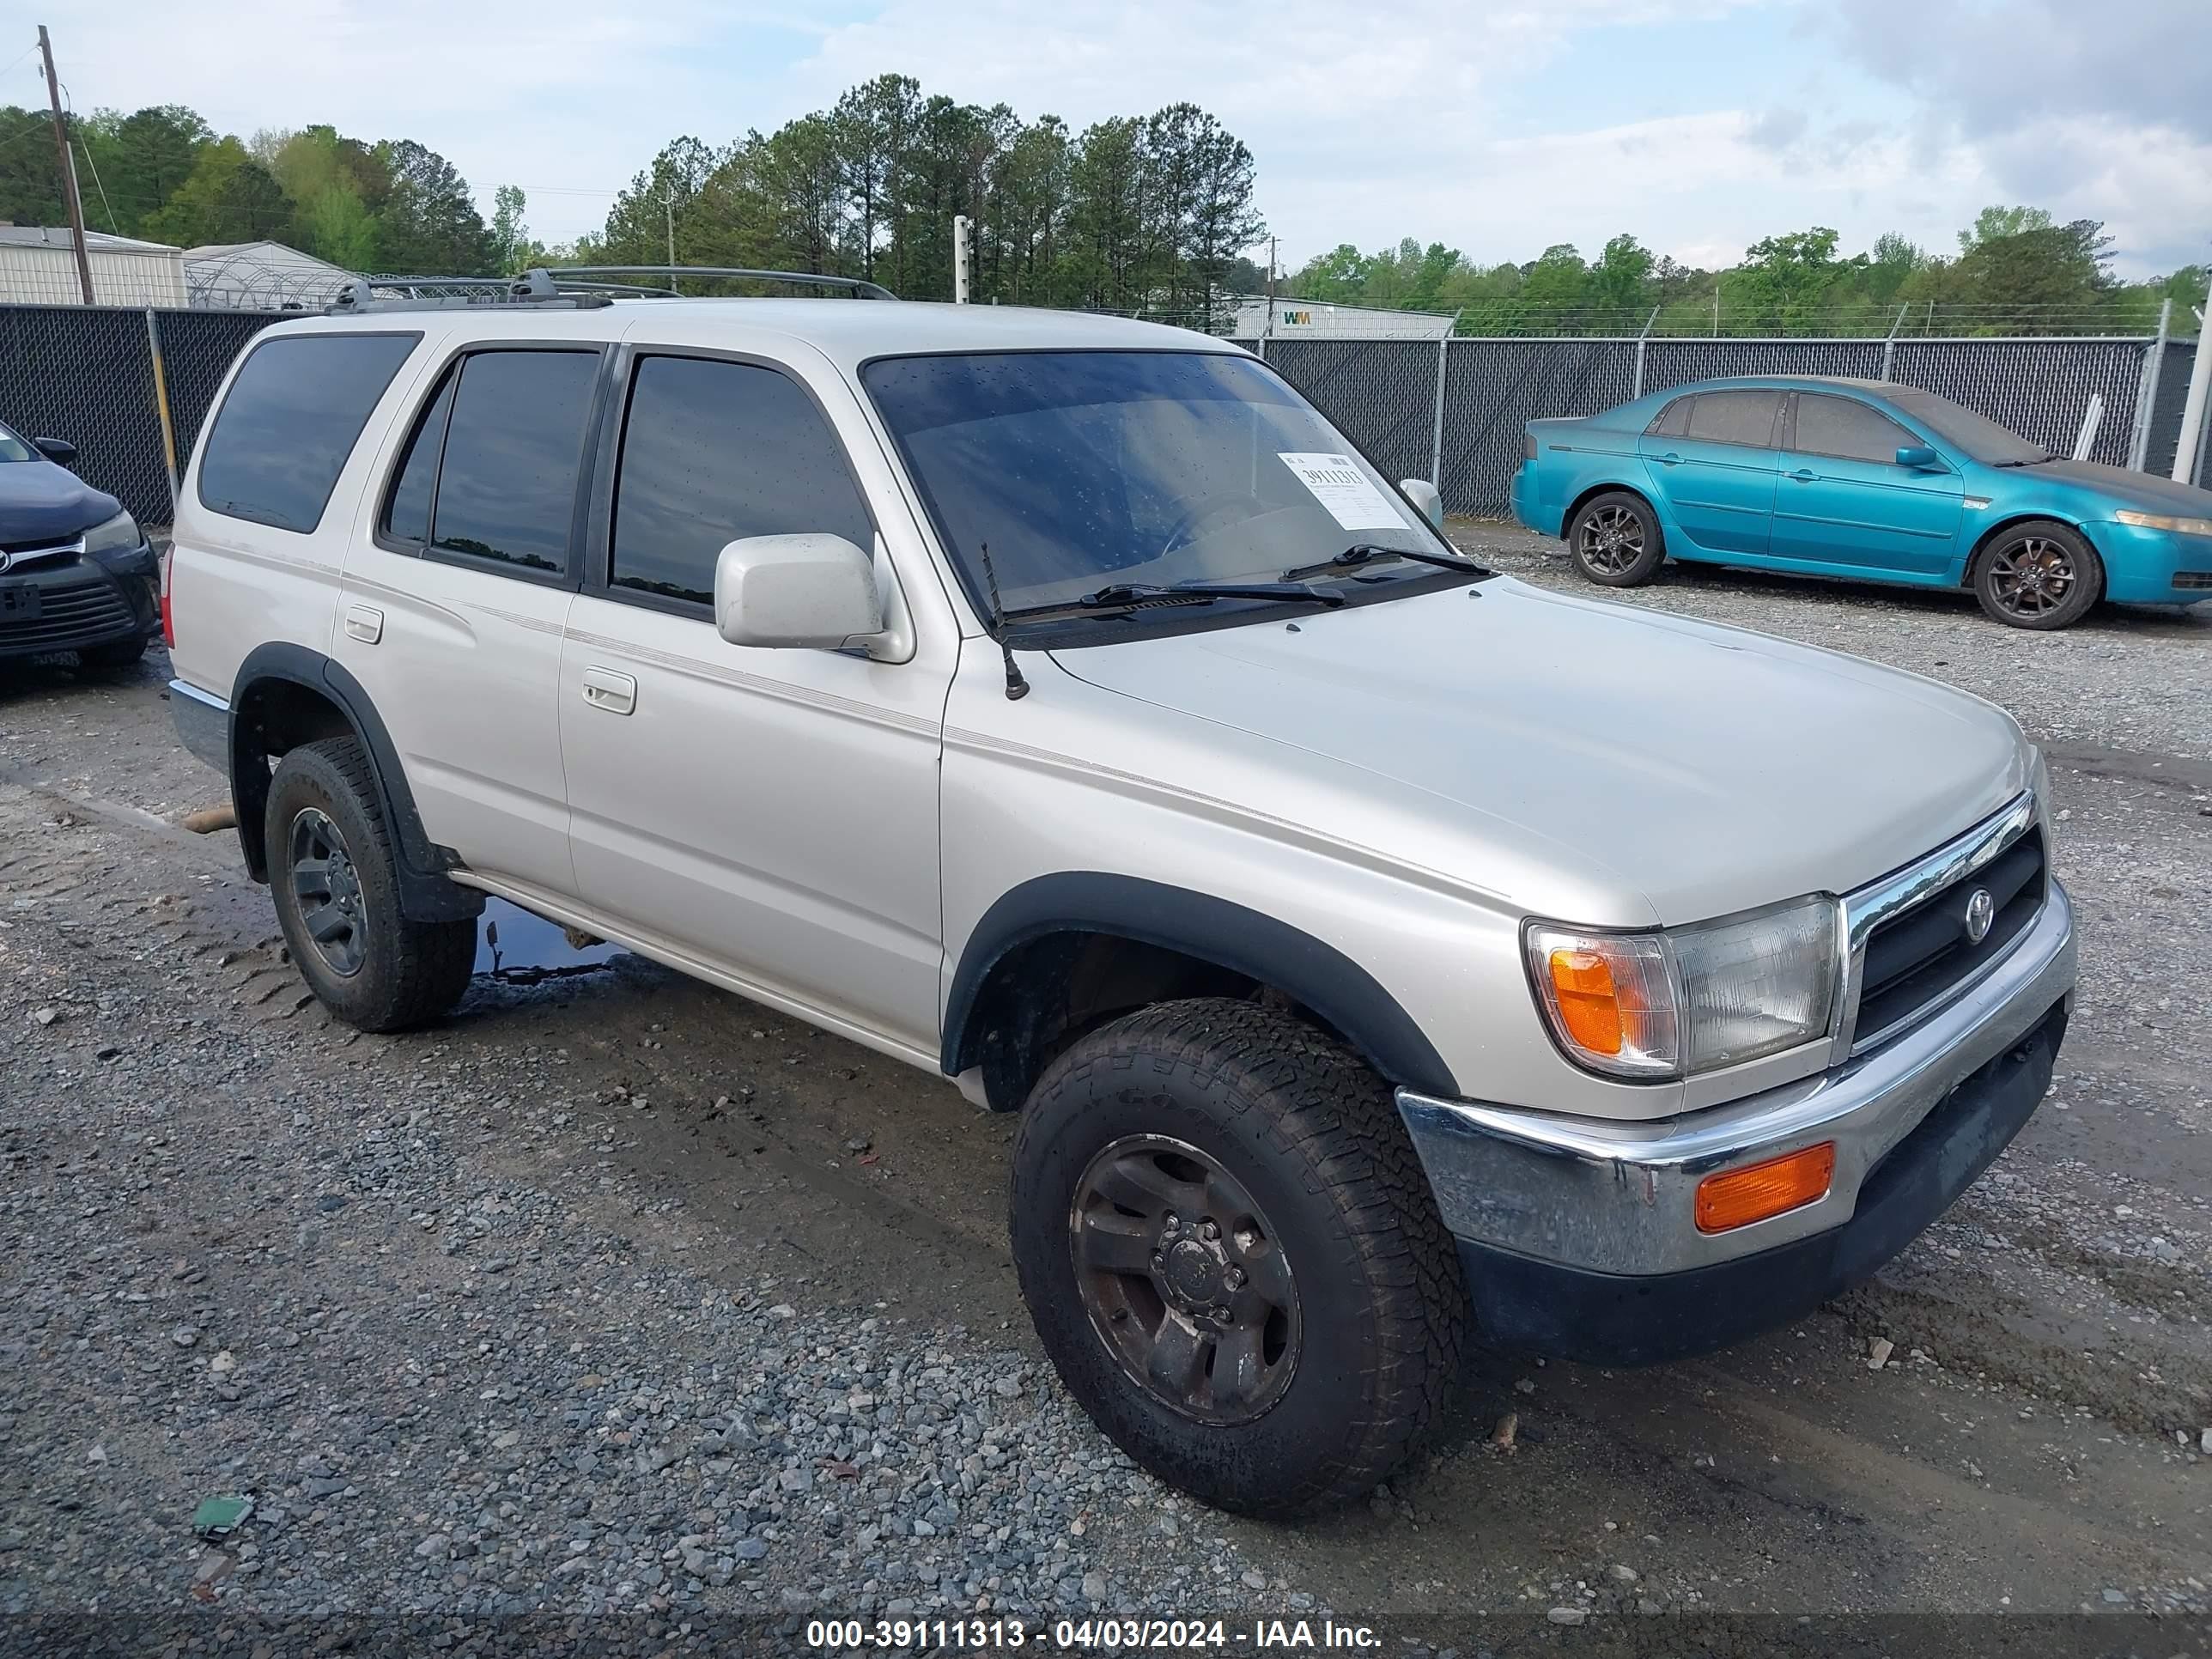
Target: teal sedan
(1865,480)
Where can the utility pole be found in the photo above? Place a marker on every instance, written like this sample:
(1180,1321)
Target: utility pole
(668,208)
(1270,328)
(959,259)
(68,166)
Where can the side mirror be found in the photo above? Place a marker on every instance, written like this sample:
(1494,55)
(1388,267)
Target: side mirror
(1426,496)
(56,449)
(1920,456)
(810,592)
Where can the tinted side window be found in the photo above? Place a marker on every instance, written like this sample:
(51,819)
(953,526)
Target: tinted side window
(1837,426)
(715,451)
(407,510)
(507,488)
(1674,420)
(1735,417)
(293,415)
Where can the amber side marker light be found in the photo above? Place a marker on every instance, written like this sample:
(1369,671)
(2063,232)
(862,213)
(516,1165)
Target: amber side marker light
(1759,1191)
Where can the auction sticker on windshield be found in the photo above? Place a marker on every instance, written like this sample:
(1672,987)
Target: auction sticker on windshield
(1349,495)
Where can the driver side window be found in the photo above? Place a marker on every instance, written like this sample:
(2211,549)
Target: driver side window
(712,452)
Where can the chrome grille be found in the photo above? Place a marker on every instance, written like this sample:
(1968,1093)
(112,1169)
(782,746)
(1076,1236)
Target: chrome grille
(1913,948)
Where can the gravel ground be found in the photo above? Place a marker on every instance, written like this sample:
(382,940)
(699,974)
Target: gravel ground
(619,1309)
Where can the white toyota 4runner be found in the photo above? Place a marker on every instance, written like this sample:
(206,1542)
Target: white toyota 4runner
(1378,951)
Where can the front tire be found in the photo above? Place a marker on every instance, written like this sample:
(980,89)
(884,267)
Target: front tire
(2038,575)
(1233,1258)
(1615,540)
(335,879)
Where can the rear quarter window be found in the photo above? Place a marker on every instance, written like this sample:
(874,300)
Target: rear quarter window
(293,415)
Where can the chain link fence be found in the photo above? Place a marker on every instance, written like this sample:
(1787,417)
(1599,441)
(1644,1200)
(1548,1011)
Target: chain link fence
(1454,411)
(1449,409)
(87,375)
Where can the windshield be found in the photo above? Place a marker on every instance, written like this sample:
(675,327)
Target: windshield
(1984,440)
(13,448)
(1079,469)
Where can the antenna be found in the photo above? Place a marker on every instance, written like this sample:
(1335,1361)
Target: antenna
(1017,687)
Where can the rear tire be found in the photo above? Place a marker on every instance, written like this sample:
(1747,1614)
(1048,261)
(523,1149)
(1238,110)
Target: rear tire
(1268,1312)
(1615,540)
(336,882)
(2038,575)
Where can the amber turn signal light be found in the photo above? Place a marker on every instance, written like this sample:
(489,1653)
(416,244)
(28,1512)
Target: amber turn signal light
(1589,1007)
(1737,1197)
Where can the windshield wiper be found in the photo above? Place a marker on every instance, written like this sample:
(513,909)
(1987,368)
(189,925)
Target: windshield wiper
(1118,595)
(1361,553)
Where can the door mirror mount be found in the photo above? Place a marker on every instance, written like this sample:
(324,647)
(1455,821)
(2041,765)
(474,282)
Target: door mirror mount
(810,592)
(1920,457)
(1425,496)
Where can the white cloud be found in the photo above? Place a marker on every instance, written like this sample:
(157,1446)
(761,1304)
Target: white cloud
(1369,124)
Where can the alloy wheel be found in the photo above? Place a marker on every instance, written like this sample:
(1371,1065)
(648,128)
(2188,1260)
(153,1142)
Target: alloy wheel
(1184,1280)
(1611,539)
(328,889)
(2031,577)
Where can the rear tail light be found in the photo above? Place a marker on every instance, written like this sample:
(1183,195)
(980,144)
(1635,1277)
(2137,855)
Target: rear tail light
(168,617)
(1528,446)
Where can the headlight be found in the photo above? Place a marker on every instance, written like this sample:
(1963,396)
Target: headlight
(2158,521)
(117,534)
(1691,999)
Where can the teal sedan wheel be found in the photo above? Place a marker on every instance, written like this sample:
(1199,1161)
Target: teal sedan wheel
(2040,574)
(1615,540)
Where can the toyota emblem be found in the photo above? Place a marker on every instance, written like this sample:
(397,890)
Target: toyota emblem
(1981,912)
(6,559)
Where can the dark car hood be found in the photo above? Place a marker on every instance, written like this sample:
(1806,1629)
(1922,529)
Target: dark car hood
(2144,490)
(42,503)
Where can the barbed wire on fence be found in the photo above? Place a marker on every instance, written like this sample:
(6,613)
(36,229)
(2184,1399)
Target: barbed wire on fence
(1695,319)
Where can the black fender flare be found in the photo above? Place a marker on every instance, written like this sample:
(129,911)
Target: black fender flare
(1245,941)
(425,892)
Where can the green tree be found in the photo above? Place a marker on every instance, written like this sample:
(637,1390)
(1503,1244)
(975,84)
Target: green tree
(513,250)
(228,196)
(429,223)
(1620,282)
(1783,283)
(1993,223)
(2044,275)
(30,173)
(334,225)
(138,162)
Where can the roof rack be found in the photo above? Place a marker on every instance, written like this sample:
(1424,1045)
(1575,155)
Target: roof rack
(571,288)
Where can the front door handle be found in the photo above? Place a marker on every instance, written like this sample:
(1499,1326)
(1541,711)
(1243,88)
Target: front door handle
(615,693)
(1804,475)
(364,623)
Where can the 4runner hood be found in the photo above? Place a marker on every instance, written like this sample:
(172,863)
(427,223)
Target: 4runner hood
(1682,769)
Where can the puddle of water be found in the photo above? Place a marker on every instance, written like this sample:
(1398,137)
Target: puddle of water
(518,948)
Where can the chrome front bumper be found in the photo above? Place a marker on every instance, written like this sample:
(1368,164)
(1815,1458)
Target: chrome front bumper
(202,724)
(1615,1198)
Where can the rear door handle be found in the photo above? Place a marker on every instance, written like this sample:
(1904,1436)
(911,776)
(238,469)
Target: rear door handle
(615,693)
(1804,475)
(364,623)
(1670,459)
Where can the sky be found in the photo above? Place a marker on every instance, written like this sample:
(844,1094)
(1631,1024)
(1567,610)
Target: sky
(1499,127)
